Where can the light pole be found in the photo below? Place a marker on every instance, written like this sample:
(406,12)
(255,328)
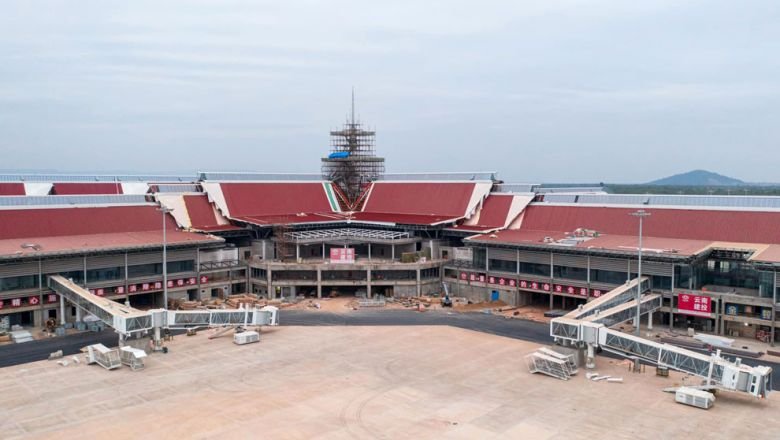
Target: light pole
(641,214)
(165,211)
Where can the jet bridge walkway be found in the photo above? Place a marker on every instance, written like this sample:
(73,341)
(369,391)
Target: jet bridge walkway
(128,321)
(124,319)
(588,326)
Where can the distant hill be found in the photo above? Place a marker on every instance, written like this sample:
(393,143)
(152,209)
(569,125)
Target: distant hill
(698,178)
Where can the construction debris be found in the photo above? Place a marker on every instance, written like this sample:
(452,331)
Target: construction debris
(20,336)
(56,355)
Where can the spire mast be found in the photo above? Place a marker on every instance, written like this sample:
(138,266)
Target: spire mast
(353,105)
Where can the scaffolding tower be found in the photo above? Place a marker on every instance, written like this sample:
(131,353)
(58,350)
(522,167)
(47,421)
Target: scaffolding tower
(352,162)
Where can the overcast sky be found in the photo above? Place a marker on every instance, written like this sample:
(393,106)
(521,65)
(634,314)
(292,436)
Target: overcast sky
(540,91)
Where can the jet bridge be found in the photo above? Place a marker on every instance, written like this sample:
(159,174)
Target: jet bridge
(588,326)
(124,319)
(128,321)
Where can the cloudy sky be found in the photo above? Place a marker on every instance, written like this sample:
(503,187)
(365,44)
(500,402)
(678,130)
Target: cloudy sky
(540,91)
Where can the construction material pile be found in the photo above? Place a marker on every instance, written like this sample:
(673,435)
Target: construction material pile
(232,302)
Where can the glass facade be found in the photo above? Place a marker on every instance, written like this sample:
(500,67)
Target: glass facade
(146,270)
(608,276)
(737,274)
(479,256)
(503,265)
(105,274)
(535,269)
(18,283)
(570,273)
(682,277)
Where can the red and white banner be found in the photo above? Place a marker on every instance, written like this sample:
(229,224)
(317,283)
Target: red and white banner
(33,300)
(342,255)
(690,304)
(571,290)
(51,298)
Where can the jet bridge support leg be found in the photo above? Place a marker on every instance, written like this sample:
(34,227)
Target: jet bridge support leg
(590,361)
(157,341)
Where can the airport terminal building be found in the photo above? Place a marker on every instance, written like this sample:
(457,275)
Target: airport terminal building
(353,229)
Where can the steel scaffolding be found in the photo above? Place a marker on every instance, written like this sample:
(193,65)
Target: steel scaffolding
(352,162)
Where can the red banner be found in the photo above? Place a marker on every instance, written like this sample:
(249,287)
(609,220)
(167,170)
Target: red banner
(51,298)
(33,300)
(690,304)
(342,255)
(571,290)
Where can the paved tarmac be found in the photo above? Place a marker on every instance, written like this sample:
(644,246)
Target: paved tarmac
(531,331)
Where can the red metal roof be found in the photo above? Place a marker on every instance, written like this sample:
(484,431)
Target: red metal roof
(202,214)
(443,199)
(493,215)
(12,189)
(618,243)
(404,219)
(274,199)
(270,220)
(80,229)
(690,224)
(59,222)
(69,188)
(92,242)
(769,255)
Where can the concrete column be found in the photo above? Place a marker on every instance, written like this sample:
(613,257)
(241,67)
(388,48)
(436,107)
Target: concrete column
(717,321)
(323,251)
(722,312)
(650,321)
(392,251)
(772,333)
(671,302)
(319,280)
(369,251)
(62,310)
(297,252)
(40,294)
(271,291)
(552,297)
(368,282)
(774,306)
(419,286)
